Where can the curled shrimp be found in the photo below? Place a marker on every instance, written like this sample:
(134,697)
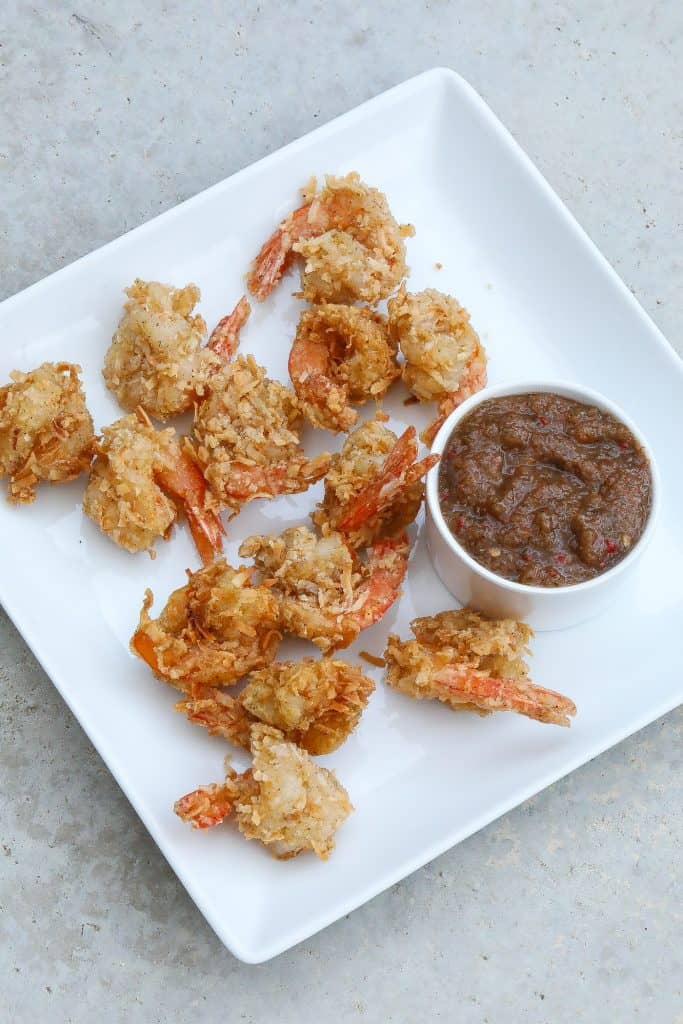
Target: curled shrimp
(326,594)
(472,663)
(140,479)
(352,247)
(247,430)
(157,358)
(341,354)
(315,703)
(285,800)
(211,632)
(46,431)
(374,487)
(445,361)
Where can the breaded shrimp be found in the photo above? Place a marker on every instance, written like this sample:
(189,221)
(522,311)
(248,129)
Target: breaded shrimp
(373,488)
(445,361)
(46,431)
(284,800)
(247,429)
(341,355)
(156,358)
(326,594)
(472,663)
(140,479)
(315,703)
(212,631)
(352,247)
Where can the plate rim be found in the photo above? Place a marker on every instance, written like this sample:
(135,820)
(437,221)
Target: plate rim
(259,952)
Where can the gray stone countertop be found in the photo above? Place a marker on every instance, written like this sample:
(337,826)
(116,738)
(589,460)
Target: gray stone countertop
(566,908)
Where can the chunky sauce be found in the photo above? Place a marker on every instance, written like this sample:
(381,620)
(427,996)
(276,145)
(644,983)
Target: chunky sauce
(544,490)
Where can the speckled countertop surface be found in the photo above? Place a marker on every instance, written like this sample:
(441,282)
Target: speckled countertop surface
(563,910)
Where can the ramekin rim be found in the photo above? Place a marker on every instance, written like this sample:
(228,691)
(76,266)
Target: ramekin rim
(566,389)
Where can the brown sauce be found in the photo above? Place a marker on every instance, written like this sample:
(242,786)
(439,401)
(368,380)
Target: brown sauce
(544,490)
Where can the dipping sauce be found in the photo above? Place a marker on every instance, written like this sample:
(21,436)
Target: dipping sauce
(544,490)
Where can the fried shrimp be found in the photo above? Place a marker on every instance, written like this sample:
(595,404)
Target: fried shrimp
(247,431)
(212,631)
(341,355)
(374,485)
(445,361)
(156,358)
(284,800)
(472,663)
(325,593)
(140,479)
(316,704)
(352,247)
(46,432)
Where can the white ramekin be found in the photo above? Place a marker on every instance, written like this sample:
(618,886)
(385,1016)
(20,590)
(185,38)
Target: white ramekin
(474,585)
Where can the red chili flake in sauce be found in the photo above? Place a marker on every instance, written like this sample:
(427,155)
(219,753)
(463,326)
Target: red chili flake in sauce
(562,557)
(611,547)
(459,523)
(543,421)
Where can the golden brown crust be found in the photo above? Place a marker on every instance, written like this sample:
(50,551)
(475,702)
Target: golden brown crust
(325,593)
(248,433)
(472,663)
(373,488)
(445,361)
(341,355)
(352,247)
(122,494)
(212,631)
(46,431)
(285,800)
(315,703)
(156,359)
(359,255)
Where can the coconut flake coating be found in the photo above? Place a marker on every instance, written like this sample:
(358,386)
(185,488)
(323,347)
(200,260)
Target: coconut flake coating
(46,431)
(156,359)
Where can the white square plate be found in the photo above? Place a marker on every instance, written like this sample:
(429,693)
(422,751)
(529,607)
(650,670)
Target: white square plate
(547,305)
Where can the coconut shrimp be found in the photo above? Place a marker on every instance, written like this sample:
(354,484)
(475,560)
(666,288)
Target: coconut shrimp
(341,355)
(157,358)
(247,429)
(374,485)
(141,478)
(352,247)
(212,631)
(46,431)
(326,594)
(472,663)
(284,800)
(316,704)
(445,361)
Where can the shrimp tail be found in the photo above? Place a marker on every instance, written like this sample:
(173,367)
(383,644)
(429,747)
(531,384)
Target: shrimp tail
(185,481)
(275,254)
(246,482)
(457,685)
(386,566)
(206,806)
(225,336)
(399,471)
